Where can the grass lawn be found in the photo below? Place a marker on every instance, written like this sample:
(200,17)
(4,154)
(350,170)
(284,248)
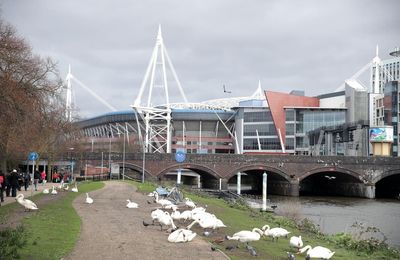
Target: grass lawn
(237,218)
(53,231)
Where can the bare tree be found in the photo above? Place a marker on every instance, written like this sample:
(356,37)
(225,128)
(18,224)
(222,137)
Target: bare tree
(32,114)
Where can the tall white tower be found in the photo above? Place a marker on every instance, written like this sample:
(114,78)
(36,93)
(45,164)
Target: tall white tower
(157,118)
(376,65)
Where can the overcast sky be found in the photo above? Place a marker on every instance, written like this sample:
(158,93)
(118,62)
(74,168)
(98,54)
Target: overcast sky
(305,45)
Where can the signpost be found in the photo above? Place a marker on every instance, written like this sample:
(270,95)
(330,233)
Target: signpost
(33,156)
(180,157)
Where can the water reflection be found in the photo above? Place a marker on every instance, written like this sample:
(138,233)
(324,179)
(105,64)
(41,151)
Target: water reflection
(337,214)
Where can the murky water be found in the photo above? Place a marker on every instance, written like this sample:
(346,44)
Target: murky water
(337,214)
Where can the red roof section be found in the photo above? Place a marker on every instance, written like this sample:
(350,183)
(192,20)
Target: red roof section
(278,100)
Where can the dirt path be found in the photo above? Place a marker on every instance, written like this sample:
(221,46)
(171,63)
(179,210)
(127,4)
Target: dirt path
(112,231)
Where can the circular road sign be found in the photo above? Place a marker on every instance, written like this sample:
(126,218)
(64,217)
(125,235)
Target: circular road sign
(180,156)
(33,156)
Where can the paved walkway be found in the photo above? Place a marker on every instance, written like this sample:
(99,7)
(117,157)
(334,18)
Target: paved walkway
(29,192)
(112,231)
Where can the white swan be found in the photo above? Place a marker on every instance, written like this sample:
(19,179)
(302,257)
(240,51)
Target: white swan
(246,236)
(54,191)
(187,214)
(66,187)
(131,205)
(176,215)
(28,204)
(162,202)
(207,221)
(46,191)
(317,252)
(61,184)
(181,236)
(275,233)
(189,203)
(156,214)
(74,189)
(172,206)
(89,200)
(166,220)
(296,242)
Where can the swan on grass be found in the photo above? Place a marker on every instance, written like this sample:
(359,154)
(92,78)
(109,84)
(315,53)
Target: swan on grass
(74,189)
(131,205)
(54,191)
(28,204)
(181,236)
(317,252)
(46,191)
(246,236)
(207,222)
(89,200)
(275,233)
(296,242)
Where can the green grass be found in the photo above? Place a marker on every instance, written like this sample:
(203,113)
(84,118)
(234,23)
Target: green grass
(238,217)
(53,231)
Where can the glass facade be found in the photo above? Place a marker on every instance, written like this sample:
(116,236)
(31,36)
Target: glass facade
(391,111)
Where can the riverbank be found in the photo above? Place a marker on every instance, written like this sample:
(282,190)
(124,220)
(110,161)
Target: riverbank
(237,216)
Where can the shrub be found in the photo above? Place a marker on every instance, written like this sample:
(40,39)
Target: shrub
(11,240)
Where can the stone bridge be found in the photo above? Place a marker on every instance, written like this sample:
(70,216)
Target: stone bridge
(287,174)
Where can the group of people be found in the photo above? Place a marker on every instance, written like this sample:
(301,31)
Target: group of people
(13,181)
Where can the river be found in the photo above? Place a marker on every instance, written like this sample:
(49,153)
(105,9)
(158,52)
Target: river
(338,214)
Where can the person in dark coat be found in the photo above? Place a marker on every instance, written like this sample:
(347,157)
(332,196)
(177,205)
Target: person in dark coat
(8,184)
(36,178)
(14,182)
(27,180)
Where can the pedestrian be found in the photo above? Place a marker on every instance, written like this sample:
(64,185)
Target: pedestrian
(43,177)
(14,182)
(2,186)
(27,180)
(36,178)
(8,185)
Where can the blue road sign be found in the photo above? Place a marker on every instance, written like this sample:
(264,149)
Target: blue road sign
(33,156)
(180,156)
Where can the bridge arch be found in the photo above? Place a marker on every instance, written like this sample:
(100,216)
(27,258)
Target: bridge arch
(137,170)
(207,178)
(333,181)
(387,185)
(251,180)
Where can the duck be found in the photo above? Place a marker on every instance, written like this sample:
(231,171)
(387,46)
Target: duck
(74,189)
(189,203)
(317,252)
(28,204)
(181,236)
(89,200)
(246,236)
(131,205)
(296,242)
(162,202)
(46,191)
(275,233)
(54,191)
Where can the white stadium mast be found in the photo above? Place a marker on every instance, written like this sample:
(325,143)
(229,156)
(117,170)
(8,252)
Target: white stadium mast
(157,119)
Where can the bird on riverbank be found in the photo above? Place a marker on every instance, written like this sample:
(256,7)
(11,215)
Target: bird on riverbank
(181,236)
(275,233)
(131,205)
(189,203)
(46,191)
(28,204)
(74,189)
(317,252)
(296,242)
(89,200)
(54,191)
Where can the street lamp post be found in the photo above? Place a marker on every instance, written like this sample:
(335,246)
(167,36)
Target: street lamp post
(144,160)
(123,160)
